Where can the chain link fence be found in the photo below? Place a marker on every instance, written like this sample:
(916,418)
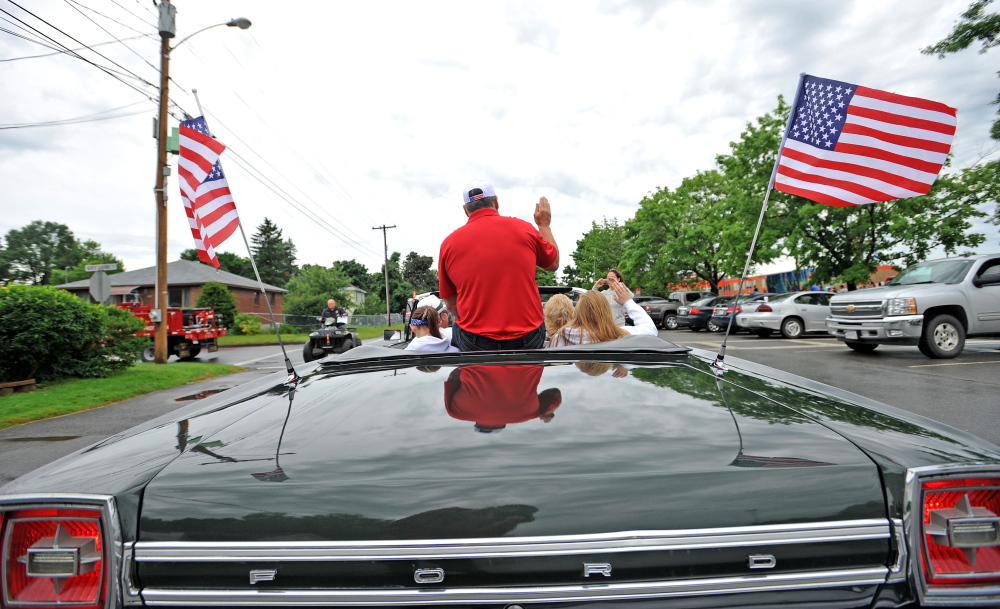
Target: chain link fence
(308,323)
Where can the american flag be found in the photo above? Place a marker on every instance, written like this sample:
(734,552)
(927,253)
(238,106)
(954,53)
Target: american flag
(209,205)
(850,145)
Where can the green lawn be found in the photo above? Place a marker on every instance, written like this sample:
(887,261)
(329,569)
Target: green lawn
(256,339)
(57,398)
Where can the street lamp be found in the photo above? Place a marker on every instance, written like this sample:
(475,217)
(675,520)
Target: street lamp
(167,27)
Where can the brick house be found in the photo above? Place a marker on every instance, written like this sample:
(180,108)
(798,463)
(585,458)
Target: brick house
(184,280)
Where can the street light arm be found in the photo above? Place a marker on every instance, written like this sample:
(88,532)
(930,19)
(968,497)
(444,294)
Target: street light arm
(240,22)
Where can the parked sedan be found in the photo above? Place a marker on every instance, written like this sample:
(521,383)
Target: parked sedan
(724,311)
(620,475)
(698,316)
(793,314)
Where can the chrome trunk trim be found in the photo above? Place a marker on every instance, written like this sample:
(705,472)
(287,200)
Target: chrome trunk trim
(477,596)
(502,547)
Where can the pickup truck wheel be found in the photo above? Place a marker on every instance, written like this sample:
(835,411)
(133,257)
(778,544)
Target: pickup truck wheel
(711,326)
(307,352)
(148,354)
(791,327)
(861,347)
(669,321)
(943,337)
(763,333)
(192,353)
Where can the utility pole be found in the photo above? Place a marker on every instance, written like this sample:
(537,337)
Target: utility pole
(167,29)
(385,268)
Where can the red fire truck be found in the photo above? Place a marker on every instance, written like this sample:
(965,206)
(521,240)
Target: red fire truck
(188,330)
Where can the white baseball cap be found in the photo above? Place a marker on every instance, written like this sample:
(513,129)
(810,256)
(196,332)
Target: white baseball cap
(479,189)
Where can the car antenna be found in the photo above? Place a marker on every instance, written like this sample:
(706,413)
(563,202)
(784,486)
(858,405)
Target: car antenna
(717,365)
(293,378)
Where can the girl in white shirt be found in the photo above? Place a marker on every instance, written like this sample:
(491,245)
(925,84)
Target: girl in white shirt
(424,323)
(594,322)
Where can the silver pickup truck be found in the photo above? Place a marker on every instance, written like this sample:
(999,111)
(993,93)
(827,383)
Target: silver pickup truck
(933,305)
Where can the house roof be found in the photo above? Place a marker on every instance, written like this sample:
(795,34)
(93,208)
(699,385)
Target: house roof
(179,272)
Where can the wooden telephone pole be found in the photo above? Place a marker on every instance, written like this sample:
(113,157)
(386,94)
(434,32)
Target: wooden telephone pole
(385,268)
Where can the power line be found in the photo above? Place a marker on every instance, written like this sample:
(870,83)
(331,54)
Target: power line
(133,14)
(59,52)
(94,116)
(105,16)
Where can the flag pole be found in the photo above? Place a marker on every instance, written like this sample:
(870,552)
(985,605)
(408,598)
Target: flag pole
(292,376)
(721,356)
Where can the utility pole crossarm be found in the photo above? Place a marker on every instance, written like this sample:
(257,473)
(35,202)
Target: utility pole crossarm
(385,268)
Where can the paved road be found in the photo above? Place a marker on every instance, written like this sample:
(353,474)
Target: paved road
(963,392)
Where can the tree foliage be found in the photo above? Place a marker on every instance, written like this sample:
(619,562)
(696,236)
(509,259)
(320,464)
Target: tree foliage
(400,290)
(543,277)
(216,296)
(373,304)
(975,26)
(228,261)
(47,334)
(417,272)
(602,248)
(311,287)
(571,277)
(356,272)
(40,252)
(275,257)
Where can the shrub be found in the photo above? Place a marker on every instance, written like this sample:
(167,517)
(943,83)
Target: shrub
(248,324)
(47,334)
(217,296)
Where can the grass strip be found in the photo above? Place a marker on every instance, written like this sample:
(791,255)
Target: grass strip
(267,338)
(56,398)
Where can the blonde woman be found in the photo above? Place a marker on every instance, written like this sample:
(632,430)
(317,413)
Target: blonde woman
(594,322)
(424,323)
(558,313)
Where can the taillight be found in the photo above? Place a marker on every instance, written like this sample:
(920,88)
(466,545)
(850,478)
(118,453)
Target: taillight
(738,309)
(694,311)
(765,309)
(961,532)
(53,557)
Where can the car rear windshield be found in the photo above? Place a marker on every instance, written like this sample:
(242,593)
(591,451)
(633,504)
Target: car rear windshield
(936,271)
(780,297)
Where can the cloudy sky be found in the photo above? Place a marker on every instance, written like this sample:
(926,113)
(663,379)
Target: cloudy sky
(342,116)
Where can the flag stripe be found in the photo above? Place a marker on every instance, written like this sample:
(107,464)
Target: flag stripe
(818,193)
(899,140)
(918,182)
(896,119)
(914,102)
(885,155)
(923,134)
(881,191)
(816,178)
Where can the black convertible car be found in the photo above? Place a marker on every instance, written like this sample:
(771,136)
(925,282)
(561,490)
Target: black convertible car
(626,474)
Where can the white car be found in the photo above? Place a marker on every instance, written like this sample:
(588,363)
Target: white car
(793,314)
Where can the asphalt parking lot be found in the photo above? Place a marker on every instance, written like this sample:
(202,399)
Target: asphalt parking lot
(963,392)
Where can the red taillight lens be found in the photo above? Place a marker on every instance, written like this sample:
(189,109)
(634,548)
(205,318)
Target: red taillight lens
(765,309)
(961,532)
(53,557)
(694,311)
(738,309)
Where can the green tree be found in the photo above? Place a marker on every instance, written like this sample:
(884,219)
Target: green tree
(228,261)
(216,296)
(571,276)
(275,257)
(543,277)
(90,253)
(356,272)
(400,290)
(372,305)
(976,25)
(678,235)
(417,272)
(601,248)
(34,252)
(311,287)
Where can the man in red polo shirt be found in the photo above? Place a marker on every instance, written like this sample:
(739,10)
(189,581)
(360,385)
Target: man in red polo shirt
(486,273)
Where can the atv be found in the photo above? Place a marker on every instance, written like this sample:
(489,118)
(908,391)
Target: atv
(332,337)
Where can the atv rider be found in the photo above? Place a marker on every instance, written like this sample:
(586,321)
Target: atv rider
(339,314)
